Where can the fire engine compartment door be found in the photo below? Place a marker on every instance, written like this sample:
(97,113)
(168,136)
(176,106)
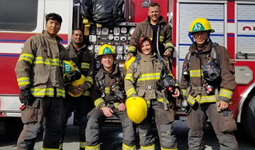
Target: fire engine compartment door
(214,12)
(245,29)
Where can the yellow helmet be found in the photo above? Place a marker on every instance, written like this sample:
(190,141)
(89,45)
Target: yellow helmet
(67,66)
(136,109)
(106,49)
(78,82)
(127,63)
(200,24)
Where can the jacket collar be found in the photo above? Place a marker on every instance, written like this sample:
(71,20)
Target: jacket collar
(161,20)
(102,72)
(207,48)
(148,57)
(71,47)
(47,36)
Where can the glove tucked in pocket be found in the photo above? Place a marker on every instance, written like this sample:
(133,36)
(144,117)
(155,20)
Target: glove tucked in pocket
(29,114)
(227,122)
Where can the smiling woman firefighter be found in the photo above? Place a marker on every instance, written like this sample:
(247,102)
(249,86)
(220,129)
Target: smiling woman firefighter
(207,84)
(150,88)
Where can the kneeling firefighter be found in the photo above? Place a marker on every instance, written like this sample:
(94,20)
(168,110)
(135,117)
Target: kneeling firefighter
(207,84)
(109,99)
(149,78)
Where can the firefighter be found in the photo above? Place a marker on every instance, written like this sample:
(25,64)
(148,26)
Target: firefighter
(157,30)
(143,79)
(41,85)
(109,99)
(82,104)
(207,83)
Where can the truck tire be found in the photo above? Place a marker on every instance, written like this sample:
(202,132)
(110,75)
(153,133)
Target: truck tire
(2,127)
(248,119)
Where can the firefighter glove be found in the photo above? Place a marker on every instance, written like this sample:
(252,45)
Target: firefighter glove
(85,86)
(26,97)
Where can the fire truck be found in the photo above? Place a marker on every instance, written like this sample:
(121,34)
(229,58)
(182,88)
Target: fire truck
(233,21)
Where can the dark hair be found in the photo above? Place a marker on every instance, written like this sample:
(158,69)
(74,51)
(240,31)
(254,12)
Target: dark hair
(140,42)
(54,16)
(76,29)
(154,4)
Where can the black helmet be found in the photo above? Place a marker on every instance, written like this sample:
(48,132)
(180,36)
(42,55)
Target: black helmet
(211,71)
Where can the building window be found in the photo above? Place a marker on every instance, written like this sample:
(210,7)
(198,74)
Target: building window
(18,15)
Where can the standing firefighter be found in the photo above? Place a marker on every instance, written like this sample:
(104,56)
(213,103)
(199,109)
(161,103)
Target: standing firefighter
(207,83)
(157,30)
(109,99)
(42,90)
(149,78)
(78,97)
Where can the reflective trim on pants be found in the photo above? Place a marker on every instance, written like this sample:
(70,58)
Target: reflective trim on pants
(97,147)
(126,147)
(151,147)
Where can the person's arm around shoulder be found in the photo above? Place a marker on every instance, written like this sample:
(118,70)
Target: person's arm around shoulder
(169,47)
(133,42)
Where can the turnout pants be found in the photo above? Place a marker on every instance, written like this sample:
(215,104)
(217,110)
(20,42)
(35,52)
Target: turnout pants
(223,124)
(51,111)
(81,105)
(95,124)
(164,120)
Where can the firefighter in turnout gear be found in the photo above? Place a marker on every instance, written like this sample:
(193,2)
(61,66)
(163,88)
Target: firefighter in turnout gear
(40,79)
(85,61)
(144,79)
(207,84)
(109,99)
(157,30)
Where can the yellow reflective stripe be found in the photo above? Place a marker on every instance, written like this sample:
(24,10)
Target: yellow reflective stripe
(226,93)
(203,99)
(60,146)
(168,148)
(131,91)
(116,104)
(89,79)
(23,81)
(107,90)
(161,38)
(183,92)
(131,49)
(41,92)
(129,76)
(86,93)
(191,99)
(96,147)
(161,100)
(98,102)
(170,74)
(151,147)
(208,99)
(47,61)
(82,145)
(85,65)
(149,76)
(148,104)
(169,44)
(126,147)
(196,73)
(50,149)
(27,57)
